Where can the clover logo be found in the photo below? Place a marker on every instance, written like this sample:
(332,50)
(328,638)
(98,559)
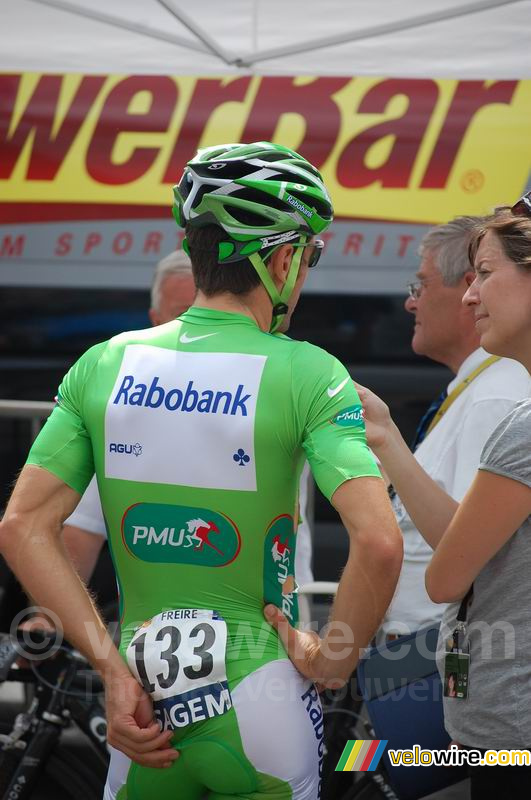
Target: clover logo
(241,457)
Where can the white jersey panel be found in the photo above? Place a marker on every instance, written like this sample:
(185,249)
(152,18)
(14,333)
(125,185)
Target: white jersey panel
(303,553)
(88,514)
(158,394)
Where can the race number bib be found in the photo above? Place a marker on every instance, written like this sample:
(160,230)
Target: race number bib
(179,658)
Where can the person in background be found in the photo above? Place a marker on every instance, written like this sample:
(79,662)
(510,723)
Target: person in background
(451,435)
(482,547)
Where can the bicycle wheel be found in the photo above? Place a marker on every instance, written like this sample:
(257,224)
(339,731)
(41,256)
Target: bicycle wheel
(65,776)
(341,723)
(345,720)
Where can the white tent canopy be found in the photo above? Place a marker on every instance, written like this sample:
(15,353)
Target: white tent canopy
(403,38)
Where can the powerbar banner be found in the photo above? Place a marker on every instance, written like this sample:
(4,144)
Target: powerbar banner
(87,163)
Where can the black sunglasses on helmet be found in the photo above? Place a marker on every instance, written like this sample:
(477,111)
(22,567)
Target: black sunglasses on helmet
(522,208)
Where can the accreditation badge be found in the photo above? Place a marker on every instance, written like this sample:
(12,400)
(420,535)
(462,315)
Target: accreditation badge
(456,670)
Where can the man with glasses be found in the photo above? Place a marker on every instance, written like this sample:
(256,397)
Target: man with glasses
(451,435)
(197,431)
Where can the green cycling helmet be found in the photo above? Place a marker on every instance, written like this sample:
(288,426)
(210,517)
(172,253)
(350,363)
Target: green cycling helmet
(262,195)
(254,192)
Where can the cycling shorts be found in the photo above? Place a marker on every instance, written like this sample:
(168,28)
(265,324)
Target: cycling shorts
(268,746)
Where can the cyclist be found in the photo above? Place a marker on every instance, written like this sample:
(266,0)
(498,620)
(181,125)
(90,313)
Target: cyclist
(196,430)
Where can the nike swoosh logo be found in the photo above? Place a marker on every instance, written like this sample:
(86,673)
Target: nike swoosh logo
(185,339)
(337,389)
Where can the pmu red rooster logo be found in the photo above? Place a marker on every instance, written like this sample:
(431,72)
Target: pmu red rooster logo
(280,550)
(200,531)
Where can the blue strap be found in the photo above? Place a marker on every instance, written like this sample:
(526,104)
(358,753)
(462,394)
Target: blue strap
(424,424)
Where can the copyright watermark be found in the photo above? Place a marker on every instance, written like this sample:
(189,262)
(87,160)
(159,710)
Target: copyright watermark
(38,631)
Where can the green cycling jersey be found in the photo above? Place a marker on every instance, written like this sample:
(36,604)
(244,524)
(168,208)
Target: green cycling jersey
(197,431)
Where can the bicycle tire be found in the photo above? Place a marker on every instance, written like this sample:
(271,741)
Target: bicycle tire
(65,776)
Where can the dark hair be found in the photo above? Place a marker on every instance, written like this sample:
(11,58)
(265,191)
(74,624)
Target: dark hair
(211,277)
(514,233)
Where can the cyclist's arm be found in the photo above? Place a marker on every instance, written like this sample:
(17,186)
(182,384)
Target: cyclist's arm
(374,561)
(365,589)
(30,541)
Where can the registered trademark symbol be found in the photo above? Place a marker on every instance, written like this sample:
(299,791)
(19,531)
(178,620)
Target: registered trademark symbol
(472,180)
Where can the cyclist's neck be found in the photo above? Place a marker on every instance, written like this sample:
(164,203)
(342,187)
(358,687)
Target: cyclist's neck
(255,304)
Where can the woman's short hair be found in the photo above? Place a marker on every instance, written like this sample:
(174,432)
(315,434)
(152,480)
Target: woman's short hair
(514,233)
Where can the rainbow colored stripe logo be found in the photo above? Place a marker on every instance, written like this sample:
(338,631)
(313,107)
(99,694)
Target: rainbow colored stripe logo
(361,756)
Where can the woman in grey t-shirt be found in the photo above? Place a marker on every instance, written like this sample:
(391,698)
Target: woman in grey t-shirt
(485,542)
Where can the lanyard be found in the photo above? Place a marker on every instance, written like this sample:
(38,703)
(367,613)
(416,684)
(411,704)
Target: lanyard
(452,397)
(460,627)
(459,389)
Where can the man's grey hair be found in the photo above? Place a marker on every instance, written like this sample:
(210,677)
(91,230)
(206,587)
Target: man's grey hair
(177,263)
(449,246)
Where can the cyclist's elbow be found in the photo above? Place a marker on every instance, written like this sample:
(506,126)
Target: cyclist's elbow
(10,530)
(389,552)
(7,533)
(383,546)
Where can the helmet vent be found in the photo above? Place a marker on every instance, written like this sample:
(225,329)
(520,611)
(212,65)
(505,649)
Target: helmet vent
(184,186)
(255,196)
(246,217)
(230,169)
(202,190)
(269,155)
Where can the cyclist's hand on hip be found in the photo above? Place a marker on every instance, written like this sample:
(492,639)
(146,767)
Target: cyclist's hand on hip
(132,727)
(304,649)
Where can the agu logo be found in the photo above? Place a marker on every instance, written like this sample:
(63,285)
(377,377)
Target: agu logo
(161,533)
(127,449)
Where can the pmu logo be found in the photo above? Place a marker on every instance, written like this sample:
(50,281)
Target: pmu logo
(206,401)
(351,417)
(279,562)
(161,533)
(126,449)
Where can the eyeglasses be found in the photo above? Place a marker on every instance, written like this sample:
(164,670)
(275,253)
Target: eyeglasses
(318,245)
(523,207)
(414,289)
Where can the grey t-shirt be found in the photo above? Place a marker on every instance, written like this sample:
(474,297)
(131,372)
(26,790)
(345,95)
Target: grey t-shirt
(497,713)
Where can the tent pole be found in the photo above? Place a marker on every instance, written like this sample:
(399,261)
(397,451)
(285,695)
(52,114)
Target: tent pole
(203,37)
(109,19)
(375,30)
